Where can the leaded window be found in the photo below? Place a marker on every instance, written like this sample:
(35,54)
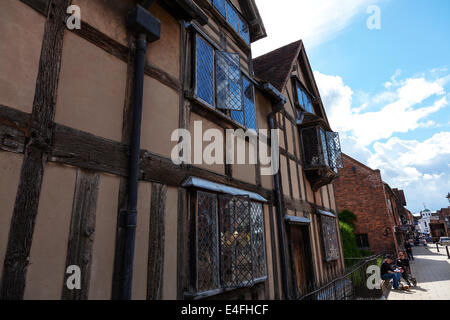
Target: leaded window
(220,6)
(230,242)
(303,99)
(236,21)
(229,82)
(334,150)
(330,238)
(207,242)
(204,71)
(321,148)
(247,117)
(220,83)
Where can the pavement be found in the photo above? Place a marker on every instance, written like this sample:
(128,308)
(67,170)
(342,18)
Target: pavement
(432,271)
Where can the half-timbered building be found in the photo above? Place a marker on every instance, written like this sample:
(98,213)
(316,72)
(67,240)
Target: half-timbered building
(88,185)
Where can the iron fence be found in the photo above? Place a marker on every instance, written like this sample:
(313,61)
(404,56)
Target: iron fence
(350,286)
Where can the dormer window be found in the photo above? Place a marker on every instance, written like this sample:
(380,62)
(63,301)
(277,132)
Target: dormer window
(304,100)
(236,21)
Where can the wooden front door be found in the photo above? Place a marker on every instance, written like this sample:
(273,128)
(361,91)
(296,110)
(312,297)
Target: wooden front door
(301,250)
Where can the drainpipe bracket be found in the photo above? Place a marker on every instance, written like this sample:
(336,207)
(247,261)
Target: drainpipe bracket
(141,21)
(128,219)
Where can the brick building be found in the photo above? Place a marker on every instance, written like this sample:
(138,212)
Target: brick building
(360,189)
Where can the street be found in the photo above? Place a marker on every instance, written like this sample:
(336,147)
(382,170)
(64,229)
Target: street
(432,271)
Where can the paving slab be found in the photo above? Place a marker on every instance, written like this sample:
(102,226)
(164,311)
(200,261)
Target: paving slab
(432,271)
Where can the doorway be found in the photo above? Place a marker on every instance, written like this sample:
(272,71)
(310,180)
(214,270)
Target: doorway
(302,257)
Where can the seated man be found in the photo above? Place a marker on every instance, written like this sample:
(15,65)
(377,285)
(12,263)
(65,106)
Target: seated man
(388,272)
(403,263)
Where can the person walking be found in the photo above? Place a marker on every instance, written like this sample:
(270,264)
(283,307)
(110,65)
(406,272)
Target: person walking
(408,250)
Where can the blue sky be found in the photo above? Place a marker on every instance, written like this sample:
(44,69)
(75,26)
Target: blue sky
(386,91)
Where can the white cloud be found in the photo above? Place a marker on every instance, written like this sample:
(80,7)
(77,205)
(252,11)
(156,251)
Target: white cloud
(313,21)
(421,168)
(368,127)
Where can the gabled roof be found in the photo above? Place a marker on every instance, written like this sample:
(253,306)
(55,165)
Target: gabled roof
(251,12)
(276,66)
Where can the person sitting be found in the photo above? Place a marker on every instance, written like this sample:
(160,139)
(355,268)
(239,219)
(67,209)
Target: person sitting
(388,272)
(403,263)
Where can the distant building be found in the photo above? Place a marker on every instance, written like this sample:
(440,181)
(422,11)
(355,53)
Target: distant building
(382,223)
(439,224)
(424,222)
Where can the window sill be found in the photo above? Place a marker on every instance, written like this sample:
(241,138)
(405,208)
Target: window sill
(212,114)
(215,292)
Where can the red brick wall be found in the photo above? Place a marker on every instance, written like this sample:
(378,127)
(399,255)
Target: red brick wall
(362,191)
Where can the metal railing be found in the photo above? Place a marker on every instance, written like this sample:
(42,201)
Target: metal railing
(350,286)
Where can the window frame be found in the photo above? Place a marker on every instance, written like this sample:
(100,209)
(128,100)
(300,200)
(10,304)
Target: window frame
(193,207)
(362,238)
(296,83)
(227,113)
(240,18)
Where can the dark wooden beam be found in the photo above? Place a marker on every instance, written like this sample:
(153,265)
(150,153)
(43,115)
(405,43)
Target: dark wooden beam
(40,139)
(156,242)
(82,230)
(87,151)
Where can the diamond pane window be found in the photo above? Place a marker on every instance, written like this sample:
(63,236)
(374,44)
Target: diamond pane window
(204,71)
(230,245)
(259,252)
(334,151)
(220,6)
(244,31)
(207,242)
(323,140)
(249,104)
(238,116)
(321,148)
(330,239)
(228,81)
(303,99)
(311,148)
(247,117)
(232,17)
(235,242)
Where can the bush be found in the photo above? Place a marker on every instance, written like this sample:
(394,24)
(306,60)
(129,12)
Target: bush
(348,240)
(347,217)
